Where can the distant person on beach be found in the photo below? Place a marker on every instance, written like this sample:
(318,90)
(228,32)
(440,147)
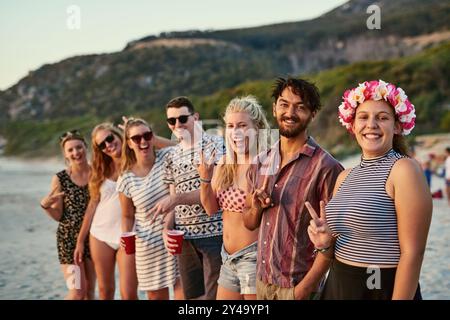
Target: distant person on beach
(200,258)
(427,168)
(141,187)
(447,174)
(376,225)
(103,217)
(294,170)
(67,203)
(224,188)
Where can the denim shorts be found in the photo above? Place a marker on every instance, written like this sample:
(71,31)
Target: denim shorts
(238,271)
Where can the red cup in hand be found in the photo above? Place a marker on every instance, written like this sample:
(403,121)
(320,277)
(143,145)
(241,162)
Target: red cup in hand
(129,239)
(178,236)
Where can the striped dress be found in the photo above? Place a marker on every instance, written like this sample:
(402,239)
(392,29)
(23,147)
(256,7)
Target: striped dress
(363,215)
(155,267)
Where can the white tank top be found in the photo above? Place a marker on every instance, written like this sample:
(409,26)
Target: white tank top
(106,224)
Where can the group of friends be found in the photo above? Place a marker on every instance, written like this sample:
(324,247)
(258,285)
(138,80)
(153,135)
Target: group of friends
(275,220)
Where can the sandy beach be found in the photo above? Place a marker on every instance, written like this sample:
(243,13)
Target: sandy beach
(29,266)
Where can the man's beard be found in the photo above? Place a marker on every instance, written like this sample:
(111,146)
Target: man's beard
(293,131)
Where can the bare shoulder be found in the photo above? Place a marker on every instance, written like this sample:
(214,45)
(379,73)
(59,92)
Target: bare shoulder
(55,183)
(341,177)
(406,166)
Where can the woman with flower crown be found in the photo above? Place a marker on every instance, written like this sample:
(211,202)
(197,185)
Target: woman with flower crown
(376,225)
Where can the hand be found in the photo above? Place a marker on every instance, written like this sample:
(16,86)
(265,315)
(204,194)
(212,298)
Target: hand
(318,230)
(301,293)
(164,206)
(260,199)
(122,244)
(52,198)
(170,244)
(122,125)
(205,167)
(78,253)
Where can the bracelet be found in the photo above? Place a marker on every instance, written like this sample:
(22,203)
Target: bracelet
(323,250)
(205,180)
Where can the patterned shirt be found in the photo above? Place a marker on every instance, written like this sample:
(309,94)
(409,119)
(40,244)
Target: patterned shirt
(285,253)
(181,170)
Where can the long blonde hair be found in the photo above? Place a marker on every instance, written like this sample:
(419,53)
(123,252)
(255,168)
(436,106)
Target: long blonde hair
(102,164)
(128,156)
(226,172)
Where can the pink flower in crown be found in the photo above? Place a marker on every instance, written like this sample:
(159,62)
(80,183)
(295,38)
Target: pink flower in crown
(351,99)
(391,98)
(346,111)
(370,89)
(378,90)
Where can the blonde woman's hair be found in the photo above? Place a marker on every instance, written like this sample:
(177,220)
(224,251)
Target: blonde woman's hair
(250,105)
(128,156)
(102,164)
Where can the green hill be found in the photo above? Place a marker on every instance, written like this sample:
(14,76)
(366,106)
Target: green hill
(424,77)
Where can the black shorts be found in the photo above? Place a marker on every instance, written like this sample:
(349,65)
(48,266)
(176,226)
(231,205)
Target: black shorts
(199,264)
(346,282)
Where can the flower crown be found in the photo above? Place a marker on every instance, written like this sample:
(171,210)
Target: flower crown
(378,90)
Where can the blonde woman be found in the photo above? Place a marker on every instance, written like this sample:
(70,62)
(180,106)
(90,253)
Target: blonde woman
(103,217)
(67,203)
(225,189)
(140,187)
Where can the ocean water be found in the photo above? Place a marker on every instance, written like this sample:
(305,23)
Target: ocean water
(29,267)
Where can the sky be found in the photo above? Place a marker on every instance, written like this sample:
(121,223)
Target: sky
(33,33)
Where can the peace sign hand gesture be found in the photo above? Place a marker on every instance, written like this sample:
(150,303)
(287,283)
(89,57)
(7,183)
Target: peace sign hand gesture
(318,230)
(260,198)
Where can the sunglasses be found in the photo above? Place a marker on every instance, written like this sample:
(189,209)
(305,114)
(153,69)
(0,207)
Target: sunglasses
(70,133)
(110,138)
(147,136)
(182,119)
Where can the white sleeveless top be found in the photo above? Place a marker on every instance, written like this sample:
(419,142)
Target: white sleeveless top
(106,224)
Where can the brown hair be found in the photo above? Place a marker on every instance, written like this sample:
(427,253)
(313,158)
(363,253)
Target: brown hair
(180,102)
(302,88)
(101,162)
(128,156)
(227,171)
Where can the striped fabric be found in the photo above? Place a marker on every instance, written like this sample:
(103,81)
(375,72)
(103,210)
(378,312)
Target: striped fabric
(363,215)
(156,268)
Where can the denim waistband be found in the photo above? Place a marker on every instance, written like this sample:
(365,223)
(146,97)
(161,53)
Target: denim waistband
(250,248)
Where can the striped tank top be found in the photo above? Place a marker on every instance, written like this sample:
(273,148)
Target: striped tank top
(363,216)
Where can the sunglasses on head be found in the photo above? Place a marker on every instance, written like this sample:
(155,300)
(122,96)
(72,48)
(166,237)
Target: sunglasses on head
(70,133)
(147,136)
(182,119)
(110,138)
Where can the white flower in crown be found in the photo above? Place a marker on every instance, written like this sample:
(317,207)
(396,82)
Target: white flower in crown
(406,118)
(381,91)
(401,106)
(359,93)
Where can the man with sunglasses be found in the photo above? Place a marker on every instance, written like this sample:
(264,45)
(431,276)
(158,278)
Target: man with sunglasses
(200,260)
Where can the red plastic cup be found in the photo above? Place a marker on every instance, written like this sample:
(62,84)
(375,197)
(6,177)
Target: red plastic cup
(178,236)
(129,239)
